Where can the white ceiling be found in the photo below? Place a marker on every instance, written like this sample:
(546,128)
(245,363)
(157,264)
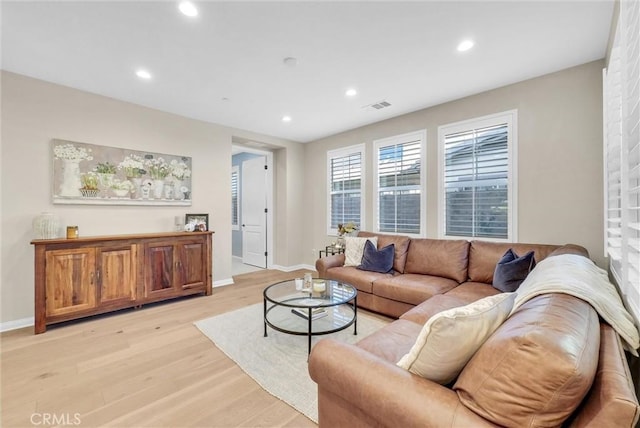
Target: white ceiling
(401,52)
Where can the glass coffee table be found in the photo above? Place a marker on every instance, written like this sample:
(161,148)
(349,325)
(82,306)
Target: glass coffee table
(310,313)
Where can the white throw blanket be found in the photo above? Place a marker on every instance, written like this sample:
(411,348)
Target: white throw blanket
(578,276)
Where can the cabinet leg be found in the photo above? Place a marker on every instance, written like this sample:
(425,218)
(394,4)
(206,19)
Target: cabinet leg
(40,327)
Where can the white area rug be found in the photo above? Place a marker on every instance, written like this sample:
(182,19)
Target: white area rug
(277,362)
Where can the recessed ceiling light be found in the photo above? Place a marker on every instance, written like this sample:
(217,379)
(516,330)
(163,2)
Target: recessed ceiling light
(143,74)
(290,61)
(188,9)
(465,45)
(286,118)
(351,92)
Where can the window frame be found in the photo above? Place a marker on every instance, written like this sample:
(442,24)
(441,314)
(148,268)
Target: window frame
(621,158)
(420,135)
(340,153)
(510,117)
(235,169)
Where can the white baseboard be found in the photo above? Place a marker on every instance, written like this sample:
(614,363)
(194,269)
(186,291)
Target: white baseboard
(292,268)
(16,324)
(222,282)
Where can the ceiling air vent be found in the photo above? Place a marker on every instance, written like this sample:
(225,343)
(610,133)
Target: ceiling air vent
(378,106)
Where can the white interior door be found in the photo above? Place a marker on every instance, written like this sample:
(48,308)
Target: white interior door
(254,216)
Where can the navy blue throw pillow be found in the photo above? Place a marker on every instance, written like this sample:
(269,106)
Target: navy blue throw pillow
(375,260)
(511,270)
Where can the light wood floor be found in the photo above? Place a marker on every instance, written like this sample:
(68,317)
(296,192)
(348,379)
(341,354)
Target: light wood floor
(140,368)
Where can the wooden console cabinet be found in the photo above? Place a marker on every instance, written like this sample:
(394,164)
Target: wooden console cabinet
(76,278)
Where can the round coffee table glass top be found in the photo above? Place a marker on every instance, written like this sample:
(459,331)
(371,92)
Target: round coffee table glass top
(287,309)
(335,293)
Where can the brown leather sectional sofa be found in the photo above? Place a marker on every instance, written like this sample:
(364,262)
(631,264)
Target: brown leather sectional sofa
(553,362)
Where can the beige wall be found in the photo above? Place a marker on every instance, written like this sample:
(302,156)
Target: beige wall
(559,169)
(559,158)
(34,112)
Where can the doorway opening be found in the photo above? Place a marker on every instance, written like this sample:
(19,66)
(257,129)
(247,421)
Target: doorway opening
(252,205)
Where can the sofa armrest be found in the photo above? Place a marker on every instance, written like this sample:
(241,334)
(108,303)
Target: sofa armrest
(325,263)
(387,394)
(570,249)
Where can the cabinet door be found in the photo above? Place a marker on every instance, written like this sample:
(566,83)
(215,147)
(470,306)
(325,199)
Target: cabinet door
(192,265)
(70,281)
(116,274)
(159,270)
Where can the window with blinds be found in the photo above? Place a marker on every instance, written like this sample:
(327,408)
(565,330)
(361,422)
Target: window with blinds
(477,179)
(345,172)
(399,184)
(622,155)
(235,207)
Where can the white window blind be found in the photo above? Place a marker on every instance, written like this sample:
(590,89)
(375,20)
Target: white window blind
(345,172)
(477,178)
(235,207)
(399,184)
(622,155)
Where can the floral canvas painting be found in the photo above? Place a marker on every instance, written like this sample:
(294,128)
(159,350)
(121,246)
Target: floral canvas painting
(91,174)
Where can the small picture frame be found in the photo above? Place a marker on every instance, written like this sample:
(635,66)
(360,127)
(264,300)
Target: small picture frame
(196,222)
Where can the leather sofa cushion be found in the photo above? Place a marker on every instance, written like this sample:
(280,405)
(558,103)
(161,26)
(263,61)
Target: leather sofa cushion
(537,367)
(361,279)
(472,291)
(484,256)
(439,257)
(401,244)
(412,288)
(392,341)
(440,302)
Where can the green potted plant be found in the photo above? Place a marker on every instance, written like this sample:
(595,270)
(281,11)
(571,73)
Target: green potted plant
(105,168)
(89,187)
(106,172)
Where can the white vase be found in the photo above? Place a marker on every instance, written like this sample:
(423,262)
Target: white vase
(177,194)
(137,182)
(144,191)
(158,188)
(71,183)
(121,193)
(46,226)
(168,191)
(106,180)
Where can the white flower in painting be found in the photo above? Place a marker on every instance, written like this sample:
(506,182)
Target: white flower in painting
(184,189)
(179,170)
(71,152)
(133,166)
(157,167)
